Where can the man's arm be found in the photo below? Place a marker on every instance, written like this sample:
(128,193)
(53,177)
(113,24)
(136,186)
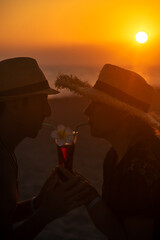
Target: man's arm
(31,227)
(25,209)
(56,203)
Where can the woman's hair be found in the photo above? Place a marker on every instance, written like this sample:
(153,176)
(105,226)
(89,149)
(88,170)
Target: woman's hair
(133,122)
(138,125)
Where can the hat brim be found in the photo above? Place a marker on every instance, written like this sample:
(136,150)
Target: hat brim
(48,91)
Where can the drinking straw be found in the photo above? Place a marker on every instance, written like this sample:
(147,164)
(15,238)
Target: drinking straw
(78,126)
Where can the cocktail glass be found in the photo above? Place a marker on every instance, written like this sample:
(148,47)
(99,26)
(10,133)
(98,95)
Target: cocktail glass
(66,152)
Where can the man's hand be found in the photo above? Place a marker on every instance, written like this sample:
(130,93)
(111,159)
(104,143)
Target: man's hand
(49,183)
(63,198)
(92,194)
(57,198)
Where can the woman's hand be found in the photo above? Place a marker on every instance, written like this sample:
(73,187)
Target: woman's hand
(49,183)
(57,197)
(92,192)
(62,198)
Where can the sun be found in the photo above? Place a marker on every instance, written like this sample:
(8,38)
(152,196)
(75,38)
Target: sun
(141,37)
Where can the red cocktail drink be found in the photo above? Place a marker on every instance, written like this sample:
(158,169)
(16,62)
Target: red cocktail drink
(65,153)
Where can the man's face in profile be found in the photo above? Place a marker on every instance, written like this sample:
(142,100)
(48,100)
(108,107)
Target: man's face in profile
(32,113)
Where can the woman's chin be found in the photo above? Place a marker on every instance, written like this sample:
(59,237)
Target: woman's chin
(94,133)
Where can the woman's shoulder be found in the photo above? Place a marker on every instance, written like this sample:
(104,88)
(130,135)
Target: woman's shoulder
(144,159)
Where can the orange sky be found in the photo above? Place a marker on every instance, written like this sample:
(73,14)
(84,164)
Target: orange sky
(80,31)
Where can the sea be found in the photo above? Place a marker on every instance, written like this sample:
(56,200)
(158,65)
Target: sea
(85,73)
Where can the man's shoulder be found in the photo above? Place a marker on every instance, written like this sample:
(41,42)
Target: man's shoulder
(4,154)
(7,164)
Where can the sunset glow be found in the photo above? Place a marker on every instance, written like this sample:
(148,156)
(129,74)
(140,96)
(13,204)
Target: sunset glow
(80,32)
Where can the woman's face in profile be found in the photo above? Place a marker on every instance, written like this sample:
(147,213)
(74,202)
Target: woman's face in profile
(103,119)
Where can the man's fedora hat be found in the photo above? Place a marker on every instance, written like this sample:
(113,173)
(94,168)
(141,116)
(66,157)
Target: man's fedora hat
(20,77)
(118,87)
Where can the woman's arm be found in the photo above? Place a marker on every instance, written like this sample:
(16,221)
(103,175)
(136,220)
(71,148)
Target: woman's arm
(134,204)
(137,227)
(101,215)
(106,221)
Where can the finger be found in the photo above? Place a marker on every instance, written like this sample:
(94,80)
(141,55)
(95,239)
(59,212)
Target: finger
(66,172)
(46,184)
(76,173)
(76,189)
(74,205)
(83,178)
(71,183)
(81,202)
(71,204)
(83,193)
(56,168)
(52,173)
(51,176)
(60,182)
(52,184)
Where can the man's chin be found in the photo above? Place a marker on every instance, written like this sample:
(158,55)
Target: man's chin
(34,136)
(35,132)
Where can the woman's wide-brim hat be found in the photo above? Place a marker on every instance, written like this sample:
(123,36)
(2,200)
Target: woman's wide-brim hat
(118,87)
(20,77)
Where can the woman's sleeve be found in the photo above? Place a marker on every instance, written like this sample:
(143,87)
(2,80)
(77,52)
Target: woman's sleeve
(134,195)
(155,198)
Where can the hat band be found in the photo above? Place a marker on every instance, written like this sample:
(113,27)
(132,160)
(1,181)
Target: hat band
(26,89)
(122,96)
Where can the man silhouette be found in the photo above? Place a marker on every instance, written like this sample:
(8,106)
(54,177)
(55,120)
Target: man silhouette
(23,107)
